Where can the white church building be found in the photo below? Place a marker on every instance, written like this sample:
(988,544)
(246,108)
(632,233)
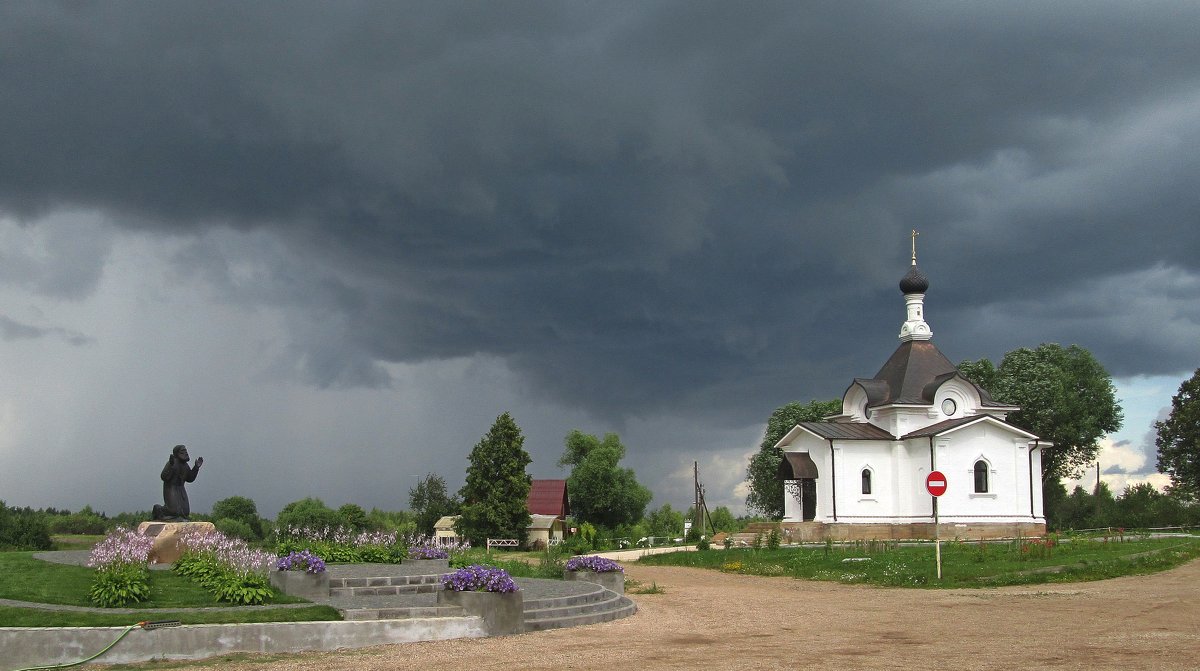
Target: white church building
(861,474)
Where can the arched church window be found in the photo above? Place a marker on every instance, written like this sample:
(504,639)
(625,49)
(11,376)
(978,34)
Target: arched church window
(981,477)
(866,481)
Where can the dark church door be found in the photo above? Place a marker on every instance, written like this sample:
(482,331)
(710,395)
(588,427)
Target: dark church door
(808,499)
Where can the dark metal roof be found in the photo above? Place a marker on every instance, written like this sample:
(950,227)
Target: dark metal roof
(909,371)
(847,430)
(912,375)
(935,429)
(548,497)
(797,466)
(942,427)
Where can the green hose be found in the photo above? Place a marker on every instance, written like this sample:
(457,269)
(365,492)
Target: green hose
(143,625)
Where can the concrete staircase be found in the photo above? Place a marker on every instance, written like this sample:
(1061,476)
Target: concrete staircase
(547,604)
(598,605)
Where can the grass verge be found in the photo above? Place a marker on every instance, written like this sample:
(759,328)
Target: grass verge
(29,579)
(964,564)
(36,617)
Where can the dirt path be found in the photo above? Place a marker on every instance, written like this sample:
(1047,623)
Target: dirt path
(711,620)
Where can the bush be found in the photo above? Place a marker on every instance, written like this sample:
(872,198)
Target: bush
(23,529)
(120,586)
(703,544)
(86,521)
(308,513)
(235,529)
(773,539)
(575,545)
(353,517)
(241,509)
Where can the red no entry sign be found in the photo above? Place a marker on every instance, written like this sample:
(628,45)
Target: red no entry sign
(935,482)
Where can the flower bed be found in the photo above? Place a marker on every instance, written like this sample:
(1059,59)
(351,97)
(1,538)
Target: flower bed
(488,593)
(594,564)
(344,545)
(301,561)
(427,552)
(120,563)
(478,578)
(227,567)
(599,570)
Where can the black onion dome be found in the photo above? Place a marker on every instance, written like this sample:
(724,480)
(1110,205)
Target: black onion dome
(914,282)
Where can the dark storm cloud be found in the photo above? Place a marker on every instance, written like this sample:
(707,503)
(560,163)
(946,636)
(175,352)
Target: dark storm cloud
(11,329)
(701,207)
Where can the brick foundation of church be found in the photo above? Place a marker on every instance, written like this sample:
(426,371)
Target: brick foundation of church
(813,532)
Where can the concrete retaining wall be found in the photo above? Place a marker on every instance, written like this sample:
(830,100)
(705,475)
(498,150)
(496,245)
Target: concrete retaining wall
(25,647)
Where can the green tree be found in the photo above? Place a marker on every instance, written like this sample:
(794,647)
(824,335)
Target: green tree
(307,513)
(766,487)
(1178,440)
(241,509)
(601,491)
(1065,395)
(353,517)
(497,487)
(665,522)
(429,502)
(400,521)
(723,520)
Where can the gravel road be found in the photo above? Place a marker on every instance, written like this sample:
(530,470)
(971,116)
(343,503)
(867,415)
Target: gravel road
(709,620)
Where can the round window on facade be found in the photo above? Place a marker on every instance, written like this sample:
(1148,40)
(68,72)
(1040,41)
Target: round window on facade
(949,407)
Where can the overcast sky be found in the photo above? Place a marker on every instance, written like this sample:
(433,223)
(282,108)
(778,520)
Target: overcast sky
(326,244)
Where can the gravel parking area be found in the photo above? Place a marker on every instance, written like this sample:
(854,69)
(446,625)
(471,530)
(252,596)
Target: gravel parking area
(709,620)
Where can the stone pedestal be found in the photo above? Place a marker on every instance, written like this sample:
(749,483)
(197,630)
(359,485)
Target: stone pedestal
(611,580)
(301,583)
(502,614)
(166,538)
(429,566)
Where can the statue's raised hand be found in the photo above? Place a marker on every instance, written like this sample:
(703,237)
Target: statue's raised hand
(199,462)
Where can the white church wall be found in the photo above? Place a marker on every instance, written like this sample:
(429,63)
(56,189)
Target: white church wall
(1007,460)
(851,458)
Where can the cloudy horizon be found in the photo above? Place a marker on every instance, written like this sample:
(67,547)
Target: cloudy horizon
(326,245)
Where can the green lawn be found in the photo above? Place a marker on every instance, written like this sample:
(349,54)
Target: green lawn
(33,617)
(964,564)
(29,579)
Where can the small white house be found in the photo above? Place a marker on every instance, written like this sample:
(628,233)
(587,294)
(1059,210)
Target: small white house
(861,474)
(443,530)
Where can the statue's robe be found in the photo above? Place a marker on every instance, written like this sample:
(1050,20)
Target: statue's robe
(174,475)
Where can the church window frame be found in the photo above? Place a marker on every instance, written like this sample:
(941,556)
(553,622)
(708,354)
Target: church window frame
(981,473)
(867,478)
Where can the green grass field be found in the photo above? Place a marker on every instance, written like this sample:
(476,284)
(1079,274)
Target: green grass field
(29,579)
(964,564)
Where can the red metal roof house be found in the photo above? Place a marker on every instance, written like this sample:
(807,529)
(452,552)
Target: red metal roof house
(548,497)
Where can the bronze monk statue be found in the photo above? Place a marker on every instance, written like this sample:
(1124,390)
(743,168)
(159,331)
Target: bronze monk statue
(174,475)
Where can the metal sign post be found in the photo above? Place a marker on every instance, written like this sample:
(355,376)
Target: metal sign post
(935,482)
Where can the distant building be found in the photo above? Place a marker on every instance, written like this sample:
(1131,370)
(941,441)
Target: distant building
(548,511)
(861,474)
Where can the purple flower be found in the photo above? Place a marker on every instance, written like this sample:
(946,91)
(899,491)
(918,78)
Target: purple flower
(593,563)
(301,561)
(477,578)
(427,552)
(120,547)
